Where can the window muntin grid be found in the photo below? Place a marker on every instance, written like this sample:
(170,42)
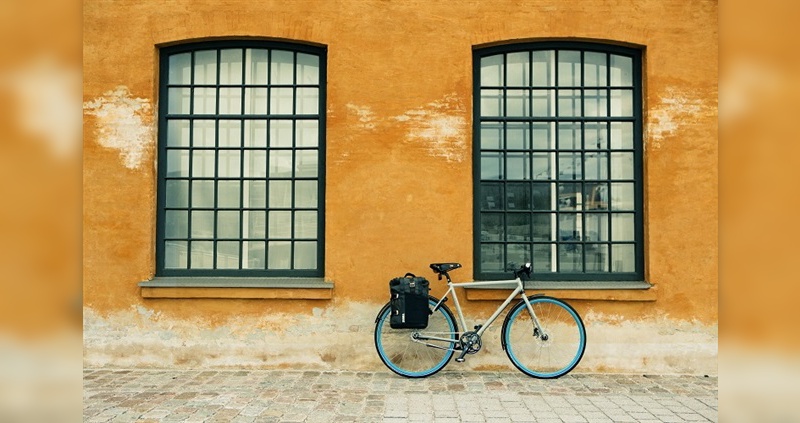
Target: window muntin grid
(241,160)
(558,161)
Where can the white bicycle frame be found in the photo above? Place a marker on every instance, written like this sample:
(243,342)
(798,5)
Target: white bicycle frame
(519,290)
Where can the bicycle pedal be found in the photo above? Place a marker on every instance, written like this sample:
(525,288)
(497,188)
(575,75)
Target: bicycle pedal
(460,360)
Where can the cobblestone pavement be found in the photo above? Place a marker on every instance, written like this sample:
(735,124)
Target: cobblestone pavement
(334,396)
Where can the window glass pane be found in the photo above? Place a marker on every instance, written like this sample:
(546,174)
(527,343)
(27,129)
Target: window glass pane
(280,163)
(230,165)
(280,224)
(230,133)
(204,133)
(255,163)
(491,165)
(570,258)
(280,133)
(203,163)
(280,194)
(205,101)
(305,255)
(202,224)
(305,224)
(491,102)
(543,166)
(177,193)
(570,196)
(543,66)
(307,163)
(492,228)
(543,258)
(202,254)
(175,254)
(230,70)
(205,67)
(622,196)
(307,101)
(569,103)
(621,71)
(595,103)
(596,227)
(519,254)
(543,103)
(518,67)
(570,166)
(621,103)
(492,71)
(491,196)
(569,136)
(305,194)
(178,133)
(519,166)
(595,196)
(307,69)
(253,253)
(596,257)
(491,135)
(543,135)
(542,197)
(518,103)
(595,135)
(228,224)
(596,165)
(569,68)
(230,101)
(518,136)
(281,101)
(307,133)
(178,100)
(622,227)
(542,226)
(282,67)
(255,133)
(518,196)
(180,71)
(254,224)
(570,227)
(176,224)
(623,258)
(202,193)
(493,258)
(621,165)
(594,69)
(227,255)
(256,67)
(621,135)
(519,228)
(228,194)
(279,254)
(177,163)
(255,101)
(255,194)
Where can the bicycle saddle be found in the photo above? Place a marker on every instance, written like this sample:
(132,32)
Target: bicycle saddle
(444,267)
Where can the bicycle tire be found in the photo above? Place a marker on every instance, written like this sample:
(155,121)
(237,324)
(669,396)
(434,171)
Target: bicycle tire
(550,356)
(411,359)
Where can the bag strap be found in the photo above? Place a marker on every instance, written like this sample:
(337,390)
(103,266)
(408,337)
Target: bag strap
(410,275)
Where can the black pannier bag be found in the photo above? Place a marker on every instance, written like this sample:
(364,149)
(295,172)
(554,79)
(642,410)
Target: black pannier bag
(409,302)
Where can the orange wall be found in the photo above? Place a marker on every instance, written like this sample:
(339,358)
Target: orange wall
(399,160)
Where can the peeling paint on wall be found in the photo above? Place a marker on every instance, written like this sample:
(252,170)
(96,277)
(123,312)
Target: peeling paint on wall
(441,126)
(366,117)
(675,109)
(123,124)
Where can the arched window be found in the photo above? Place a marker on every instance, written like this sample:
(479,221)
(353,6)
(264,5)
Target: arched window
(558,161)
(241,160)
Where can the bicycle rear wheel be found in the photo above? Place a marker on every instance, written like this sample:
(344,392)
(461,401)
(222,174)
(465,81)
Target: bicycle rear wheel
(547,355)
(410,357)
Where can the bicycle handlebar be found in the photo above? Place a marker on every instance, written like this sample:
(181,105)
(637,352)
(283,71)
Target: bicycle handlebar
(524,269)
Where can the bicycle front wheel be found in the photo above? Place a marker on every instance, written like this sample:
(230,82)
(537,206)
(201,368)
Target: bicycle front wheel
(552,352)
(415,352)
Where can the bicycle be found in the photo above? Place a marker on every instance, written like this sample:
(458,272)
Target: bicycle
(544,337)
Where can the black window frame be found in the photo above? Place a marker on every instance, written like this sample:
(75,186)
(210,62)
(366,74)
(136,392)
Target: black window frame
(320,116)
(636,56)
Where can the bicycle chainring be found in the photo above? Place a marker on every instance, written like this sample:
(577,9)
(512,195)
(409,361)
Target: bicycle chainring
(468,337)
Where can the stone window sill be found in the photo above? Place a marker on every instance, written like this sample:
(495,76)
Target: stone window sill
(597,290)
(223,287)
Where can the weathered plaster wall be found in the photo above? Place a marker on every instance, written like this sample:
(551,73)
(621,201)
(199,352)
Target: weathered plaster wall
(399,176)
